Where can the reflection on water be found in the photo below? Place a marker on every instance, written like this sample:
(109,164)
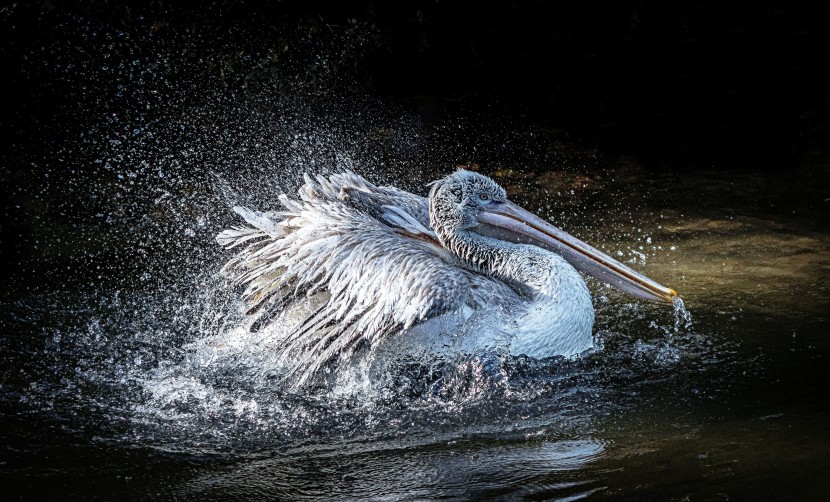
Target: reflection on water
(455,469)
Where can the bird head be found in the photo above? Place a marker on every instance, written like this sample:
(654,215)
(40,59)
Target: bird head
(466,201)
(455,200)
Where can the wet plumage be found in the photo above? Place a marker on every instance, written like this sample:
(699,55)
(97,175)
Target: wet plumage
(388,260)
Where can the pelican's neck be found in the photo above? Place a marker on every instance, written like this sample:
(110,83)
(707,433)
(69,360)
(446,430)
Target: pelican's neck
(559,315)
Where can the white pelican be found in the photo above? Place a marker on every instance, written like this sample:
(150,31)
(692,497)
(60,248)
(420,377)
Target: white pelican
(386,260)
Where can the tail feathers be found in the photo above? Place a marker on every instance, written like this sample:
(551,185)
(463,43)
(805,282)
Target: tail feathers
(265,221)
(236,236)
(265,224)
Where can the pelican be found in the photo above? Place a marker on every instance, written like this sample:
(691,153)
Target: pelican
(382,261)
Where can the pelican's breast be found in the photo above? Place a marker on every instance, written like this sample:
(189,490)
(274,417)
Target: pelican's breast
(558,321)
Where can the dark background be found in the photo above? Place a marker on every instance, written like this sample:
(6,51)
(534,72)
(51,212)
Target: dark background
(685,86)
(670,82)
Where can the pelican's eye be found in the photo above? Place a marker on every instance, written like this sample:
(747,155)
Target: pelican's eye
(484,196)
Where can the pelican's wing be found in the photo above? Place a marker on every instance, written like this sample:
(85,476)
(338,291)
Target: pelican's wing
(376,259)
(388,204)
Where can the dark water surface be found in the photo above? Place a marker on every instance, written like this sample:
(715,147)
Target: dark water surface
(128,371)
(111,393)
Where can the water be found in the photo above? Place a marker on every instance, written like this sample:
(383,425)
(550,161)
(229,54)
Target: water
(129,372)
(161,389)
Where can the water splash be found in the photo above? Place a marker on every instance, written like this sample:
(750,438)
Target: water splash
(682,317)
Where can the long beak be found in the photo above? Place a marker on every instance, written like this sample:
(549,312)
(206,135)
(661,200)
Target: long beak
(525,226)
